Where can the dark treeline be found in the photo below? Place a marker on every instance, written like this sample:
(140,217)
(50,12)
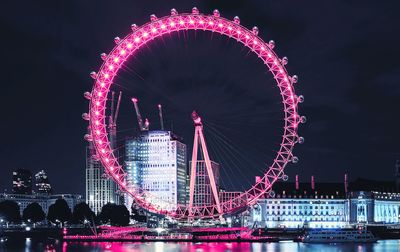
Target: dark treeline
(60,214)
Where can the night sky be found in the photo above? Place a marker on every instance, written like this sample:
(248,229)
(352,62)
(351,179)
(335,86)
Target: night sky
(345,54)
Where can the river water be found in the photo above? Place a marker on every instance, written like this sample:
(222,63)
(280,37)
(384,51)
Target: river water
(28,245)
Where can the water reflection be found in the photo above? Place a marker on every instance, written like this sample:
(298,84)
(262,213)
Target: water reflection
(32,245)
(388,245)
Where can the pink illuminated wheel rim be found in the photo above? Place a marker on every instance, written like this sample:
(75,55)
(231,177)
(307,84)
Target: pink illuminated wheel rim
(157,27)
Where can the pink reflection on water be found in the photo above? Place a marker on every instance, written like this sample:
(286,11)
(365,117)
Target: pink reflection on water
(162,246)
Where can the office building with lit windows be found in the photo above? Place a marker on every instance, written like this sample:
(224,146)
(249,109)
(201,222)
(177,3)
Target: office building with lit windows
(42,183)
(202,188)
(22,181)
(100,189)
(155,162)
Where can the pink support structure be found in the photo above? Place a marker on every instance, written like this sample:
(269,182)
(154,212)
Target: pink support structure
(157,27)
(199,134)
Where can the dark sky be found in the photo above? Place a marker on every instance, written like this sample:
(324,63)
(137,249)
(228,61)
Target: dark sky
(345,53)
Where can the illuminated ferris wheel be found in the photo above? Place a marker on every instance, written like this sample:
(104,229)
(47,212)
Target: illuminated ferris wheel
(157,27)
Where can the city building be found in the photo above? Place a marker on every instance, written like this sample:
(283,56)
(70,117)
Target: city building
(225,196)
(155,162)
(100,189)
(287,211)
(327,205)
(42,183)
(45,201)
(202,188)
(22,182)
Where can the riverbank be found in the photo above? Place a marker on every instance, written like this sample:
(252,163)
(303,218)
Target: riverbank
(170,235)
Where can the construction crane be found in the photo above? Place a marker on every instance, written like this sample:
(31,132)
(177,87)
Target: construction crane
(112,120)
(161,116)
(142,126)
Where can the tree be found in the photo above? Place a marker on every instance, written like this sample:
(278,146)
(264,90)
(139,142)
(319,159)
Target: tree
(34,213)
(116,215)
(121,216)
(59,212)
(82,212)
(137,214)
(106,213)
(9,211)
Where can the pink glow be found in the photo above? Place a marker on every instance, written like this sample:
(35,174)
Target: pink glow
(147,32)
(134,99)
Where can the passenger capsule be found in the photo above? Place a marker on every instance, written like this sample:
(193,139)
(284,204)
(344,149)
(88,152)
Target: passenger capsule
(300,99)
(271,194)
(295,160)
(87,95)
(301,140)
(271,44)
(285,61)
(236,20)
(195,11)
(93,75)
(285,177)
(86,116)
(103,56)
(303,119)
(117,40)
(255,30)
(153,17)
(295,78)
(88,137)
(174,12)
(216,13)
(133,27)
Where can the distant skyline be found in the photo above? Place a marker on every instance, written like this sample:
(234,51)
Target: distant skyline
(345,55)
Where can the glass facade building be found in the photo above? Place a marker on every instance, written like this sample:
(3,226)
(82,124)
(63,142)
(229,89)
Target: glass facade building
(155,162)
